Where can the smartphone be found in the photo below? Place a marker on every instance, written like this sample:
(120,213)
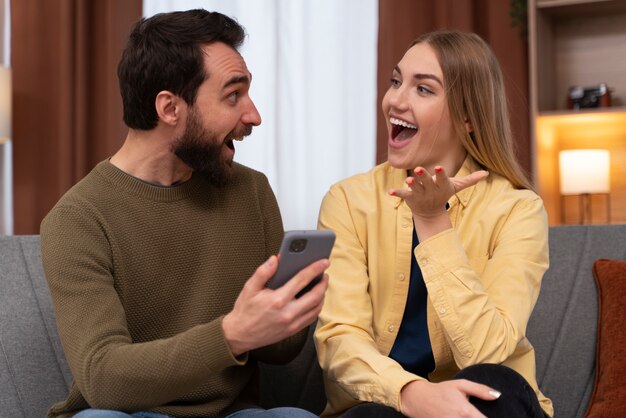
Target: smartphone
(298,250)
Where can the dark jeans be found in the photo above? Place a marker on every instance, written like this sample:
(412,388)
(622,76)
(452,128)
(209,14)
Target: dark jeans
(518,398)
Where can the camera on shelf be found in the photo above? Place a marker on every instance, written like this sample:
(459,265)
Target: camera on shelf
(588,97)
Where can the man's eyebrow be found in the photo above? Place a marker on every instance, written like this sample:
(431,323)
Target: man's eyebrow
(244,79)
(422,76)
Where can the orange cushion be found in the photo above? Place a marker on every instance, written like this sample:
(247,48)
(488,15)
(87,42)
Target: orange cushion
(609,394)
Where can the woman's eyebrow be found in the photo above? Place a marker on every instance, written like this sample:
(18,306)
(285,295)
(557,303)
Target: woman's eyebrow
(422,76)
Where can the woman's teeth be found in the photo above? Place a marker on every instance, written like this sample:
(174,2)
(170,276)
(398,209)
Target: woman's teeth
(402,123)
(401,130)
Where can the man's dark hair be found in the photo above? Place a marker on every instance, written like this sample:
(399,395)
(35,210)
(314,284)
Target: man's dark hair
(164,53)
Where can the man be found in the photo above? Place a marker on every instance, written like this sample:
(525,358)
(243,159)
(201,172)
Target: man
(157,260)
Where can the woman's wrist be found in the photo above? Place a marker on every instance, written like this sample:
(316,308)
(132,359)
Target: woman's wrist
(426,227)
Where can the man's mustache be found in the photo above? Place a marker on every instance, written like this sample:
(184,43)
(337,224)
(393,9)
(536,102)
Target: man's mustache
(245,131)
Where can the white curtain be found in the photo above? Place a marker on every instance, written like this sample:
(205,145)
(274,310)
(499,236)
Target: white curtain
(6,160)
(314,83)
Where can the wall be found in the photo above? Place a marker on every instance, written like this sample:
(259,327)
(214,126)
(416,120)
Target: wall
(401,21)
(67,112)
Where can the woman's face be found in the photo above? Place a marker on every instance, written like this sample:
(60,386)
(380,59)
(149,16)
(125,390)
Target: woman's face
(418,121)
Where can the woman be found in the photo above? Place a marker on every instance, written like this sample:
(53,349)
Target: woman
(439,254)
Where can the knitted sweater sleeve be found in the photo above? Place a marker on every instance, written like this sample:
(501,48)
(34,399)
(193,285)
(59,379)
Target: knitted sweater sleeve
(110,371)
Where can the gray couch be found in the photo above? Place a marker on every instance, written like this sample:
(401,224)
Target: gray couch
(34,374)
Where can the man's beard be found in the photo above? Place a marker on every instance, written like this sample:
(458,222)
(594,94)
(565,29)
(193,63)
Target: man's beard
(201,150)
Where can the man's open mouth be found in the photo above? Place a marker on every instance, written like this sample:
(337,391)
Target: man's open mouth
(230,140)
(401,130)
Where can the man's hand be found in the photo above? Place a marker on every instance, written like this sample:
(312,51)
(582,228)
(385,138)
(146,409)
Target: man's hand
(422,398)
(263,316)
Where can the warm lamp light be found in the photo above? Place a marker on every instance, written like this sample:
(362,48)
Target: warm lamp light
(584,172)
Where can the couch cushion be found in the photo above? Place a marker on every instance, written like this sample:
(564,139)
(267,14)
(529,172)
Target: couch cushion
(563,325)
(33,371)
(298,383)
(609,395)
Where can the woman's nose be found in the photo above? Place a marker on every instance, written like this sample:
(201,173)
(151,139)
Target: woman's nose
(397,98)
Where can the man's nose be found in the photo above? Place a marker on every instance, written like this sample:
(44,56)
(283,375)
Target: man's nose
(251,116)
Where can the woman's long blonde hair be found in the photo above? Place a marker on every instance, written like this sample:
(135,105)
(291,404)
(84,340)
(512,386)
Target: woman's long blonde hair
(475,94)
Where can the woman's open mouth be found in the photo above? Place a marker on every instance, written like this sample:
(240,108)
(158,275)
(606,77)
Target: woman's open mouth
(401,130)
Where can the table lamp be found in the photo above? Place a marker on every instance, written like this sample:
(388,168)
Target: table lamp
(585,172)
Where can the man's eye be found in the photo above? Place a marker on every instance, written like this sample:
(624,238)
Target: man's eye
(233,96)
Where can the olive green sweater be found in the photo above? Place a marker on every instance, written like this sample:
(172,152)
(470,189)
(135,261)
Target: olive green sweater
(141,276)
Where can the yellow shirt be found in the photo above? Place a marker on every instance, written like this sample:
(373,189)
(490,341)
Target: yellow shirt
(483,278)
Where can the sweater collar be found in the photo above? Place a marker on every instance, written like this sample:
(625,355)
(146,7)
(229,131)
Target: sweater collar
(150,191)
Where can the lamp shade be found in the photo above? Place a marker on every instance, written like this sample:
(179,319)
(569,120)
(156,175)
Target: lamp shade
(5,102)
(584,171)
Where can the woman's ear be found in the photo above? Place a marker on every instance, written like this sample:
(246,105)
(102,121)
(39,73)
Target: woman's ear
(468,126)
(168,107)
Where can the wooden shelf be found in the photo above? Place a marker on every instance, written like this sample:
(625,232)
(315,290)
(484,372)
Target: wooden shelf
(575,8)
(582,43)
(608,111)
(558,132)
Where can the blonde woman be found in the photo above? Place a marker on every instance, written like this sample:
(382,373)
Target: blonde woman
(440,252)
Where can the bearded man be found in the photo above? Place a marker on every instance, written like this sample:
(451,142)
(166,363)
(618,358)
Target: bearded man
(157,260)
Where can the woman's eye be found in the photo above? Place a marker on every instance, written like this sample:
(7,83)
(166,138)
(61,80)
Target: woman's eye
(424,90)
(395,82)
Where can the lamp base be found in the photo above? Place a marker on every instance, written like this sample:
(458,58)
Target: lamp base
(585,207)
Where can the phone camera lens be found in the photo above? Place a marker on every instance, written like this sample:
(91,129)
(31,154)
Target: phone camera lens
(297,245)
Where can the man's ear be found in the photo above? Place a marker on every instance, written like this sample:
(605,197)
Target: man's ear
(168,107)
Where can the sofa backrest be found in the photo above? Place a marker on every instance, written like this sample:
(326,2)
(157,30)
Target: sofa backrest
(34,374)
(563,325)
(33,371)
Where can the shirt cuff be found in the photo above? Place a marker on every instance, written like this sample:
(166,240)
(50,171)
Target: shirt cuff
(440,253)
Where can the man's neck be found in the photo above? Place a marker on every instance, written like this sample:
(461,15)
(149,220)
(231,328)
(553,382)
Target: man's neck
(148,156)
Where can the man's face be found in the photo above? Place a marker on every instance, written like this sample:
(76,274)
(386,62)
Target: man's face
(223,112)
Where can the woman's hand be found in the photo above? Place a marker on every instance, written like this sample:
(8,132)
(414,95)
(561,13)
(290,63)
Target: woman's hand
(422,398)
(427,195)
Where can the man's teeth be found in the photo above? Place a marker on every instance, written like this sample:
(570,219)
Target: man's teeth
(395,121)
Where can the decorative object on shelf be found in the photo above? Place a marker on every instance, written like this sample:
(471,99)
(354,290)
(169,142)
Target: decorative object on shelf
(6,171)
(588,97)
(585,172)
(519,16)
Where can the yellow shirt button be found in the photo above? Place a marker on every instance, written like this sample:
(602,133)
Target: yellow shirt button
(401,277)
(442,310)
(391,328)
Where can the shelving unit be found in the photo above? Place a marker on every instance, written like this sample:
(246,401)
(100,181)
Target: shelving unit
(583,43)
